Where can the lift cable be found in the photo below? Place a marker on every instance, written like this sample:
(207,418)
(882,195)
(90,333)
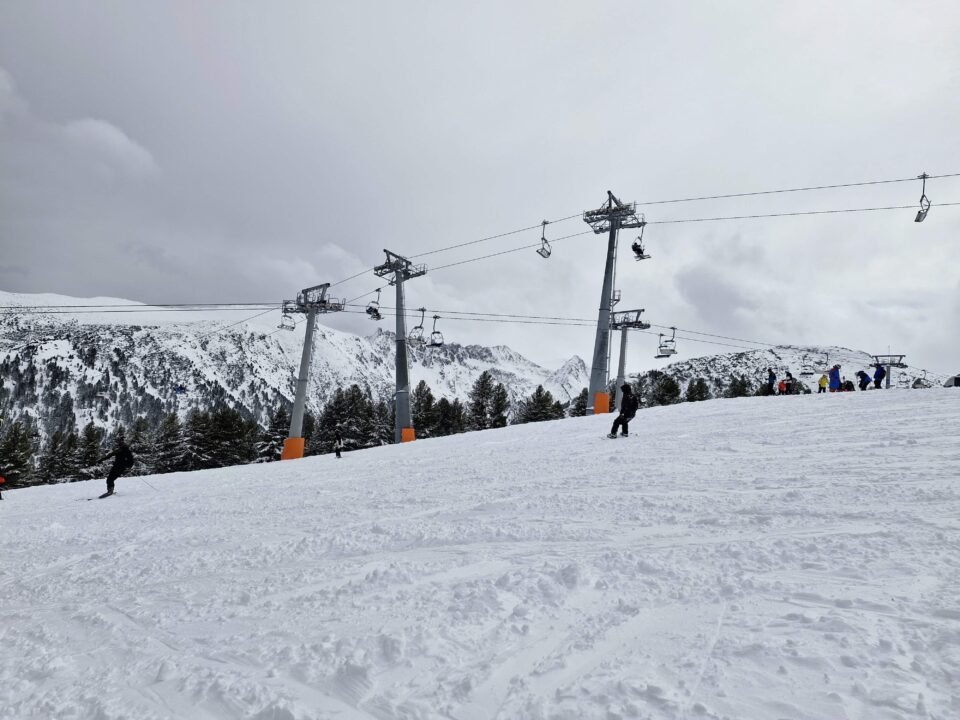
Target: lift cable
(791,190)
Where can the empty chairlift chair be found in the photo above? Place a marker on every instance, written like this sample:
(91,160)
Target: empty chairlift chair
(668,346)
(286,322)
(436,337)
(924,202)
(544,250)
(416,336)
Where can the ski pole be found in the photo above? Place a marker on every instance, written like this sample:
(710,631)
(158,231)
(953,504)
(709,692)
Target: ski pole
(149,485)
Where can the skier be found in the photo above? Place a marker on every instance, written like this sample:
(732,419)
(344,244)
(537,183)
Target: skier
(782,387)
(834,378)
(863,379)
(789,383)
(822,384)
(337,441)
(771,381)
(2,481)
(628,409)
(878,375)
(122,461)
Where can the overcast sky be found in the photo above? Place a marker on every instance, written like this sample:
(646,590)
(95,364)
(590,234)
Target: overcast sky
(238,151)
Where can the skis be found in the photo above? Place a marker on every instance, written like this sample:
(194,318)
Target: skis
(101,497)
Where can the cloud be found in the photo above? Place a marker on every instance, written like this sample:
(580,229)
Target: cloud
(111,144)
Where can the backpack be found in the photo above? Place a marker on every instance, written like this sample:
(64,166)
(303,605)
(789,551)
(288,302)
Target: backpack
(124,457)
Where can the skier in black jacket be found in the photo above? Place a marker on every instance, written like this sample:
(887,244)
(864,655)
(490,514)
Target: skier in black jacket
(122,461)
(628,409)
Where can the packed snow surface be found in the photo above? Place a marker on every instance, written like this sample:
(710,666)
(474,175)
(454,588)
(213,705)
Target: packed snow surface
(781,558)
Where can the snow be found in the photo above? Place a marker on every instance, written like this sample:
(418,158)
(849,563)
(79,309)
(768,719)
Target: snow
(762,558)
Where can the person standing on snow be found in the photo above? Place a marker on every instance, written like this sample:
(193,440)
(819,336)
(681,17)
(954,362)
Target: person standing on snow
(628,409)
(834,382)
(337,441)
(822,384)
(771,381)
(122,461)
(878,375)
(863,379)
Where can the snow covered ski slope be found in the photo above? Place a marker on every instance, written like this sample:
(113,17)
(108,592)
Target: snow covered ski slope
(778,558)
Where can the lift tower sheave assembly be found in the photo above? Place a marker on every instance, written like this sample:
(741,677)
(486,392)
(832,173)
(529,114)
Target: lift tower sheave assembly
(310,301)
(609,218)
(623,321)
(401,269)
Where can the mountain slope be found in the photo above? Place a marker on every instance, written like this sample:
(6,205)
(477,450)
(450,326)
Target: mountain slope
(109,367)
(723,563)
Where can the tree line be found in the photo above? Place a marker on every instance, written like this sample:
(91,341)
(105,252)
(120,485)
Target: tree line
(224,436)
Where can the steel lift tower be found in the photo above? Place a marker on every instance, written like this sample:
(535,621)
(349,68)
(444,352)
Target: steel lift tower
(401,269)
(623,321)
(890,362)
(609,218)
(311,301)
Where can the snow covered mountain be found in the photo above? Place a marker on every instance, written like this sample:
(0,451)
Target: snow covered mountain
(110,365)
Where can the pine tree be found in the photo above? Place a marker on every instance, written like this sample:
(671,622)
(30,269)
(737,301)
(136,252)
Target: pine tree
(58,459)
(89,452)
(665,391)
(578,407)
(697,391)
(423,410)
(499,406)
(270,442)
(383,421)
(739,387)
(198,444)
(168,446)
(538,407)
(17,450)
(141,445)
(481,397)
(232,440)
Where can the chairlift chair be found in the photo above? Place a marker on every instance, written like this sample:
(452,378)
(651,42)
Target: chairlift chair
(638,251)
(416,336)
(667,347)
(436,337)
(904,381)
(924,202)
(544,250)
(806,366)
(373,309)
(287,322)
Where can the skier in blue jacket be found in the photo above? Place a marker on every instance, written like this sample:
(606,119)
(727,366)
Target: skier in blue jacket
(878,375)
(834,375)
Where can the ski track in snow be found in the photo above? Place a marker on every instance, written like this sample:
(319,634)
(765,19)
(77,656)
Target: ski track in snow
(783,558)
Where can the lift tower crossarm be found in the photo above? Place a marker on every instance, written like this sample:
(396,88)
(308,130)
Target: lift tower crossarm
(609,218)
(311,301)
(401,269)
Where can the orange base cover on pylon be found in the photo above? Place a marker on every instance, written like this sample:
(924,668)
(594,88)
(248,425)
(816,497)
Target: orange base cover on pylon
(407,435)
(601,403)
(292,449)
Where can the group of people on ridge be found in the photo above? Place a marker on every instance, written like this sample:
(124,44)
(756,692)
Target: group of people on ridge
(830,380)
(835,383)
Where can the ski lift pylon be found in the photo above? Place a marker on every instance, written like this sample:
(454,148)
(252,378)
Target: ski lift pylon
(667,347)
(544,250)
(373,308)
(436,337)
(924,202)
(416,336)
